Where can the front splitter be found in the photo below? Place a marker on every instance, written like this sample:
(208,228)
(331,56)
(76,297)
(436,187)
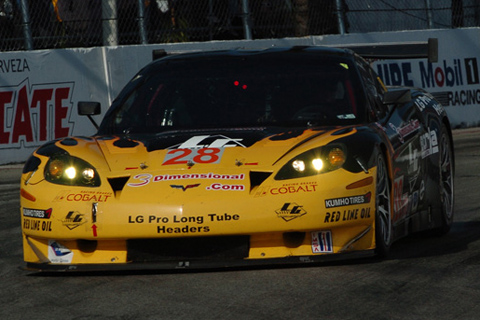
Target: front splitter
(194,264)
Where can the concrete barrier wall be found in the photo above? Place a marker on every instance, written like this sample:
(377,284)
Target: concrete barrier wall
(39,90)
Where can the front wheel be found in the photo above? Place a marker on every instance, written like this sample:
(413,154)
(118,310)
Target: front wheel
(383,212)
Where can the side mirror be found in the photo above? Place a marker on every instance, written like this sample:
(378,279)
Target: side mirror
(397,96)
(89,109)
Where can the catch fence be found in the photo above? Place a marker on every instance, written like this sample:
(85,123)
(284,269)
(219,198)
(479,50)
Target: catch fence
(44,24)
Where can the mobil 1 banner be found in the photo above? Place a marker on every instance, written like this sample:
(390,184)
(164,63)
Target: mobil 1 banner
(454,82)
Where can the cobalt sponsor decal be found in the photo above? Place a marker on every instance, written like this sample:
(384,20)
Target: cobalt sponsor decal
(444,74)
(32,114)
(200,149)
(146,178)
(95,196)
(187,224)
(290,211)
(288,188)
(348,201)
(322,241)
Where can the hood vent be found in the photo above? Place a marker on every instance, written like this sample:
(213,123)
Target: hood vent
(117,184)
(257,178)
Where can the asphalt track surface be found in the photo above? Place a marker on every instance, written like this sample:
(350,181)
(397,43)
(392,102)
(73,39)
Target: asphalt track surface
(423,278)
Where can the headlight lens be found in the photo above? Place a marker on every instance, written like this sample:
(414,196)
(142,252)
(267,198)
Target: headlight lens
(68,170)
(315,161)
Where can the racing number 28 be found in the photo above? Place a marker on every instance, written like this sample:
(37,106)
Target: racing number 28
(182,156)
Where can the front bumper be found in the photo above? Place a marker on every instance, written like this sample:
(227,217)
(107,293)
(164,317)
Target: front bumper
(301,222)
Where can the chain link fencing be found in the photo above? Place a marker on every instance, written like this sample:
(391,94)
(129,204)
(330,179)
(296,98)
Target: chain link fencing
(45,24)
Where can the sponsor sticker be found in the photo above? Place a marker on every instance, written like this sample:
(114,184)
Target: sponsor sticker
(146,178)
(348,201)
(322,242)
(36,213)
(290,211)
(429,143)
(74,219)
(407,129)
(58,253)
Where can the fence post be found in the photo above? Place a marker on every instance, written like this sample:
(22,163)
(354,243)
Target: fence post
(340,16)
(27,32)
(109,22)
(247,29)
(429,14)
(141,22)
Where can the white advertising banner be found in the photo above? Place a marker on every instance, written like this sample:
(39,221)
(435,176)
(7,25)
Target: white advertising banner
(39,90)
(454,80)
(38,94)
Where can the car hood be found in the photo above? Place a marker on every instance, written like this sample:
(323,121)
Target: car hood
(218,148)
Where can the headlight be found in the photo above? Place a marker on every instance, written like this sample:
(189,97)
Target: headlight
(315,161)
(72,171)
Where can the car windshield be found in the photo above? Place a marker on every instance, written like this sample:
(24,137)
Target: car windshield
(236,92)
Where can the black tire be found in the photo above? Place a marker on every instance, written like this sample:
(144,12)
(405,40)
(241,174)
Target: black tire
(383,209)
(446,174)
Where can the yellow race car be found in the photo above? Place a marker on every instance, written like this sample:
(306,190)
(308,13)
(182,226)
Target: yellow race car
(231,158)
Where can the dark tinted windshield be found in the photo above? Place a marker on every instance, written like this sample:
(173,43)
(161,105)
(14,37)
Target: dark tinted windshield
(226,92)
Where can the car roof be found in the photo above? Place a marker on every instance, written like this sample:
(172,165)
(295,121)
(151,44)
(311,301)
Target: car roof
(295,51)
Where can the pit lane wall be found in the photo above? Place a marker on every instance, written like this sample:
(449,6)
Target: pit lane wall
(39,90)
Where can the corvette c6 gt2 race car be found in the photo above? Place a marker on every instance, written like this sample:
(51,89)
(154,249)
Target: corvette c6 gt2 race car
(230,158)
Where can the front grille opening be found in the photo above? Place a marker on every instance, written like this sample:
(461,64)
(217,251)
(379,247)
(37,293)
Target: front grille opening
(257,178)
(154,250)
(117,184)
(293,239)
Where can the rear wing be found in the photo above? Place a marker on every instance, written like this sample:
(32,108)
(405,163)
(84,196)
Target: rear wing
(398,50)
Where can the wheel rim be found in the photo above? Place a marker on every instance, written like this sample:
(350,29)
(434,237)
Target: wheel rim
(383,203)
(446,176)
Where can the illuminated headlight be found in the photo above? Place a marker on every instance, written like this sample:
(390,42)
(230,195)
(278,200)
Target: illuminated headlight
(298,165)
(315,161)
(68,170)
(317,164)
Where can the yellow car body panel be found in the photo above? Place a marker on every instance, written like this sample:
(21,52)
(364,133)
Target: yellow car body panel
(171,201)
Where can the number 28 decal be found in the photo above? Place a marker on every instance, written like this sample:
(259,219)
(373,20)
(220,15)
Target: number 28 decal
(184,156)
